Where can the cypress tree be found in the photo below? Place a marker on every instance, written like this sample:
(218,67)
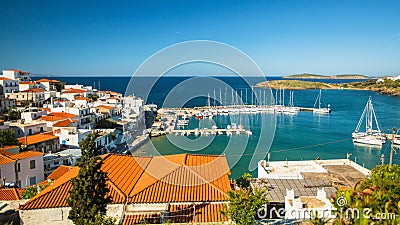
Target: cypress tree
(88,199)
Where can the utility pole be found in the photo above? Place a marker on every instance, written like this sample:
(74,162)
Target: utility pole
(394,130)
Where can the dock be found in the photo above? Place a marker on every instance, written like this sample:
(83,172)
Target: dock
(213,131)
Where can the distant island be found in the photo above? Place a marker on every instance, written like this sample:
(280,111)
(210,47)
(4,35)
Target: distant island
(316,76)
(387,87)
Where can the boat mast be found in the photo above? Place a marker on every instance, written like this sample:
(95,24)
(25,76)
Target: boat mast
(220,96)
(214,98)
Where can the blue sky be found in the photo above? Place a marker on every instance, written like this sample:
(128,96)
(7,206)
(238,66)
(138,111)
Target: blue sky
(283,37)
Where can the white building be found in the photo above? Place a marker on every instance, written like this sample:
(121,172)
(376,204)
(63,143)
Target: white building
(24,168)
(29,117)
(84,115)
(8,85)
(16,75)
(6,103)
(26,85)
(307,207)
(22,128)
(133,119)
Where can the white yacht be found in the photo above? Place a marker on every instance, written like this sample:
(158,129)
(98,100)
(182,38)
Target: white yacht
(369,136)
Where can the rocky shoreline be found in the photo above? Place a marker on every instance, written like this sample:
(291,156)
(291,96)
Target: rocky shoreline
(391,89)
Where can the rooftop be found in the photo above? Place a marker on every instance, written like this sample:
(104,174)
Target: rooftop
(138,179)
(60,171)
(277,187)
(36,138)
(10,194)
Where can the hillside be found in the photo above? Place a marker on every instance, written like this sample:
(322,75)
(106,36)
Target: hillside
(316,76)
(388,87)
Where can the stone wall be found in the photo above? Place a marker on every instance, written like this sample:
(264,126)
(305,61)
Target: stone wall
(59,216)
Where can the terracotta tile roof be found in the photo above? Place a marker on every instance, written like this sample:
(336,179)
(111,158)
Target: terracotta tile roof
(10,194)
(43,80)
(106,106)
(18,71)
(47,109)
(182,213)
(5,159)
(4,78)
(27,154)
(64,123)
(36,138)
(150,180)
(61,170)
(81,98)
(56,116)
(54,195)
(73,90)
(36,90)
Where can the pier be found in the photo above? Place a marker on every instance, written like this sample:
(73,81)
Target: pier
(216,131)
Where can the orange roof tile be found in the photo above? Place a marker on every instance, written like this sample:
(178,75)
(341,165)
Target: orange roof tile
(64,123)
(56,116)
(11,194)
(47,109)
(26,82)
(18,71)
(150,180)
(5,159)
(81,98)
(27,154)
(73,90)
(182,213)
(61,170)
(36,138)
(4,78)
(43,80)
(106,106)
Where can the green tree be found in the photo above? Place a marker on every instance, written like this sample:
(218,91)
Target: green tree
(88,199)
(244,181)
(7,138)
(379,193)
(244,204)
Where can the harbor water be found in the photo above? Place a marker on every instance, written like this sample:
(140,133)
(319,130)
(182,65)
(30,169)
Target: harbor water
(304,136)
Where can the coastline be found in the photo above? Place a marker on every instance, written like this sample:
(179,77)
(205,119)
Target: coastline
(294,84)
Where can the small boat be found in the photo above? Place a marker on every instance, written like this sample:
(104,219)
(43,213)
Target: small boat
(369,136)
(182,123)
(319,109)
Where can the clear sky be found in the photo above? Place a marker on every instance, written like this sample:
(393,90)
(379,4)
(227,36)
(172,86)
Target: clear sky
(282,36)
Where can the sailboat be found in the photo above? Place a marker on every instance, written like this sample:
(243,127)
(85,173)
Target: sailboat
(290,109)
(370,136)
(319,109)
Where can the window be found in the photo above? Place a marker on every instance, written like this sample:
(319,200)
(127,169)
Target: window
(19,167)
(32,164)
(30,131)
(0,173)
(56,162)
(41,129)
(19,132)
(32,180)
(19,183)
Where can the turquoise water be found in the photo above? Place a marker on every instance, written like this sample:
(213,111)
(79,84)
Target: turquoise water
(304,136)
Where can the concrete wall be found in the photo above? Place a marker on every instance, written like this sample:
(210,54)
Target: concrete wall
(8,171)
(27,173)
(58,216)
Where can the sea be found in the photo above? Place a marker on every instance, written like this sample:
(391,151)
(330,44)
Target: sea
(304,136)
